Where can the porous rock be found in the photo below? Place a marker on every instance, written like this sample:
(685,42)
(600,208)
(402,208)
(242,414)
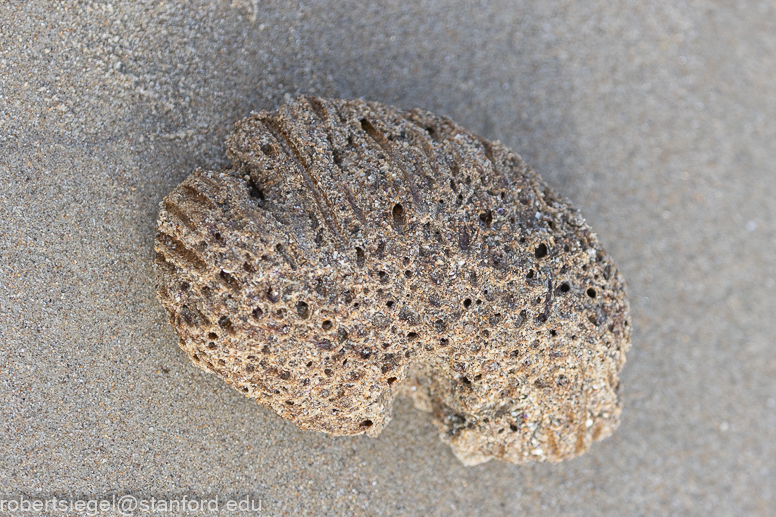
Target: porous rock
(356,250)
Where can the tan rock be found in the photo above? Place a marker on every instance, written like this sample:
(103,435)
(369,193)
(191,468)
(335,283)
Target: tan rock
(357,250)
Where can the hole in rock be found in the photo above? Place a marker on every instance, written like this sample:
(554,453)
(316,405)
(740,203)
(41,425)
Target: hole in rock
(399,217)
(303,310)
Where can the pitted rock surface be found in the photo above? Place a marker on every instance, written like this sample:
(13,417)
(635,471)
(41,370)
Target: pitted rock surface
(356,250)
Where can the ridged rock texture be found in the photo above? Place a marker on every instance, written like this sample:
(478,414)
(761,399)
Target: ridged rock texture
(357,250)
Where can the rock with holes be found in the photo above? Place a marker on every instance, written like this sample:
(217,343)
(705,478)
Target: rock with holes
(358,250)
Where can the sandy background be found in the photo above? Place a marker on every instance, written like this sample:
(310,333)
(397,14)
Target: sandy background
(658,121)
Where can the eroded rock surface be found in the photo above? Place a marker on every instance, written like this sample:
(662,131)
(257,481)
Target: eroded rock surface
(357,250)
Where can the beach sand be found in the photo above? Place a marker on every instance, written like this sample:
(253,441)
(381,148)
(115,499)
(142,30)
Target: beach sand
(657,121)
